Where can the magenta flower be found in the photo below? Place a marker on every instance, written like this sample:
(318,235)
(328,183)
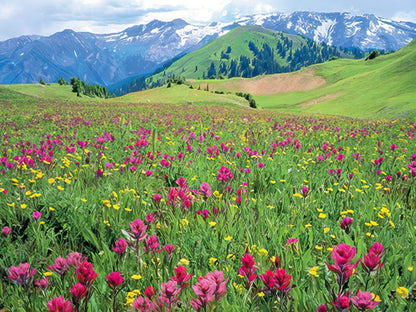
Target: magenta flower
(42,284)
(59,304)
(114,279)
(204,213)
(22,274)
(181,182)
(152,244)
(157,198)
(378,249)
(224,174)
(78,292)
(340,157)
(342,303)
(74,259)
(138,229)
(99,173)
(149,292)
(86,274)
(149,218)
(6,230)
(205,189)
(142,304)
(371,262)
(291,241)
(304,191)
(247,269)
(205,289)
(60,266)
(218,278)
(169,290)
(276,282)
(364,300)
(181,276)
(346,224)
(322,308)
(393,147)
(343,253)
(121,246)
(36,215)
(169,248)
(282,279)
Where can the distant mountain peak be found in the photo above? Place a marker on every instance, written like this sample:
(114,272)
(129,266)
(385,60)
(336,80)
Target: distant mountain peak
(140,49)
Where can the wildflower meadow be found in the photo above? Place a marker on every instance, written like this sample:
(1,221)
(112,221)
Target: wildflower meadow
(152,207)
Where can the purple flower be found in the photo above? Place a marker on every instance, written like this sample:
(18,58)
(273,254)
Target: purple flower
(205,189)
(42,284)
(346,224)
(22,274)
(364,300)
(74,259)
(60,266)
(169,248)
(121,246)
(6,230)
(59,304)
(36,215)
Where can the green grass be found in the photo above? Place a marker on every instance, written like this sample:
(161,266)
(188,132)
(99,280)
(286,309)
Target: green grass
(384,87)
(181,94)
(381,88)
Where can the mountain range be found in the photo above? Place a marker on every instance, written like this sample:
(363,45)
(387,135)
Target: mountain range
(139,50)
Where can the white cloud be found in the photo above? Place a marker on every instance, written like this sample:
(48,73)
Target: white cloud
(45,17)
(408,16)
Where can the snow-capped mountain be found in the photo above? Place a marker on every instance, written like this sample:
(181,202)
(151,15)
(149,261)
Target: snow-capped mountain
(365,32)
(139,50)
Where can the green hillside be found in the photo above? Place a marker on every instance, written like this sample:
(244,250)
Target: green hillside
(384,87)
(247,51)
(181,94)
(27,95)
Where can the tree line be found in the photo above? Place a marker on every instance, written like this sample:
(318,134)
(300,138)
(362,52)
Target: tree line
(81,87)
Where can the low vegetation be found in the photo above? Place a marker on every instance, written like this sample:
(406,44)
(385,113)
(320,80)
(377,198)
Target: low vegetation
(126,205)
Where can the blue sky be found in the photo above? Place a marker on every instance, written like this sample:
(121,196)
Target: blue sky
(45,17)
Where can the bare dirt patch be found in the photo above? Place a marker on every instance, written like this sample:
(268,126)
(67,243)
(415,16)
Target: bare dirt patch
(320,99)
(278,83)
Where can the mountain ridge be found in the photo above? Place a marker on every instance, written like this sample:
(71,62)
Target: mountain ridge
(141,49)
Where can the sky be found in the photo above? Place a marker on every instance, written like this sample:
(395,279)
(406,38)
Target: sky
(46,17)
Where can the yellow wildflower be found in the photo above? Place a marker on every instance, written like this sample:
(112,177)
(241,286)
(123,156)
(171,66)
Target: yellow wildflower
(403,292)
(183,261)
(313,271)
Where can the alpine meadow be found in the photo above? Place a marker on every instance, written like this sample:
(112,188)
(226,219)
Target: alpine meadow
(266,164)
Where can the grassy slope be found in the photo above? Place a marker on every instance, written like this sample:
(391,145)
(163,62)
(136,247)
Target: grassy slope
(181,94)
(384,87)
(177,94)
(238,39)
(381,88)
(31,92)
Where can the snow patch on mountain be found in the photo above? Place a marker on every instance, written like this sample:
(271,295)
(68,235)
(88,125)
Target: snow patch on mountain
(324,31)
